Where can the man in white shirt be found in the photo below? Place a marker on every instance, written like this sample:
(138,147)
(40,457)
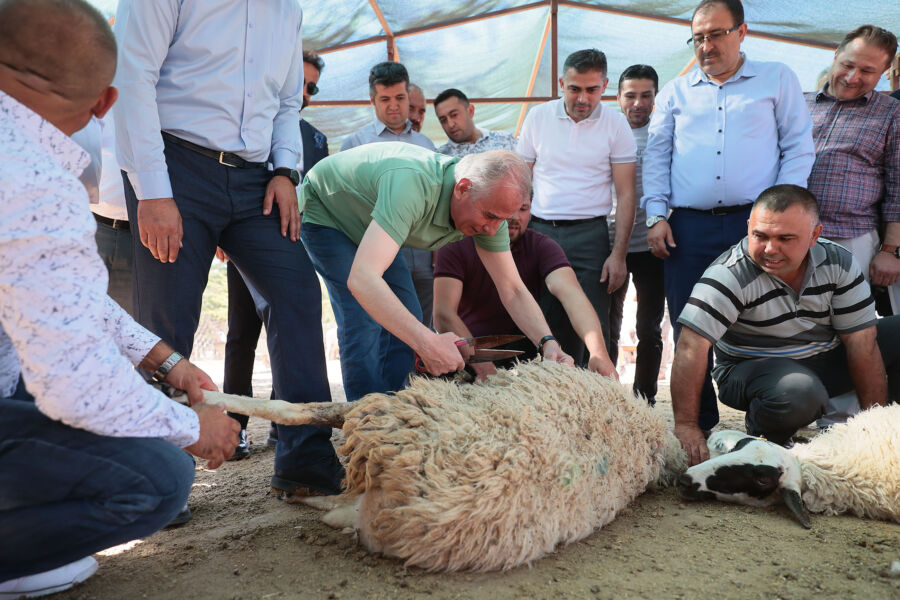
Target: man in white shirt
(90,455)
(456,116)
(578,151)
(210,93)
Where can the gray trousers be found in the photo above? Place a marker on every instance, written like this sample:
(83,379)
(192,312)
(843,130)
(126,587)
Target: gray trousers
(587,247)
(781,395)
(114,246)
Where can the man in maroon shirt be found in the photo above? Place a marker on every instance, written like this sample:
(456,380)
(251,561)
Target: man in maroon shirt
(466,301)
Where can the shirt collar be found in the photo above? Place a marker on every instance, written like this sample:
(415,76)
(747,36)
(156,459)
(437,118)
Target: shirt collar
(54,142)
(381,127)
(562,114)
(823,95)
(747,69)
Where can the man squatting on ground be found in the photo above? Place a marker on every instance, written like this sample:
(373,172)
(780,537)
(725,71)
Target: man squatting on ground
(90,455)
(793,322)
(360,206)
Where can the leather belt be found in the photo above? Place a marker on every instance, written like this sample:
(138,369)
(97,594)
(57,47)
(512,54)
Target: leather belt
(229,159)
(718,210)
(114,223)
(566,222)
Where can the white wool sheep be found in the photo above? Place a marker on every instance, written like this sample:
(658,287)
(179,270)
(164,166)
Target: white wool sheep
(490,476)
(853,467)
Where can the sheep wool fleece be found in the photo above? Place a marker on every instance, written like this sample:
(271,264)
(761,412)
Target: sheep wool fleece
(490,476)
(855,466)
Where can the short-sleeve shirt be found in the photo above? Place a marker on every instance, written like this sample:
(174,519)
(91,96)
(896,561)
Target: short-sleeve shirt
(749,314)
(480,308)
(573,161)
(404,188)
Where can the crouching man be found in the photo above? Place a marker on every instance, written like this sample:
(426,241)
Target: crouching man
(466,301)
(90,455)
(793,322)
(362,205)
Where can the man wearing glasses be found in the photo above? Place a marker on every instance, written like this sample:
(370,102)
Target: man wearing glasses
(719,136)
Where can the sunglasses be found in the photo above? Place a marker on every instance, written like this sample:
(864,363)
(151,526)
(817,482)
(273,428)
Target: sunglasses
(311,88)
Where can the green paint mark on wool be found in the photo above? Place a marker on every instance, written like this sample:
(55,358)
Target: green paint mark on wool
(570,474)
(603,465)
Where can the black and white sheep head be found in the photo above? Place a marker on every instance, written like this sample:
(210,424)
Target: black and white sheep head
(746,470)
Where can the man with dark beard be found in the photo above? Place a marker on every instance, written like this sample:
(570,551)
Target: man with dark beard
(466,301)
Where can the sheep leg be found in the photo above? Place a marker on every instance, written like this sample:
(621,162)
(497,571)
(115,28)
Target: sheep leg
(323,414)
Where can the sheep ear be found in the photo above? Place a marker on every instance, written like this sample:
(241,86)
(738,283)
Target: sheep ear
(793,501)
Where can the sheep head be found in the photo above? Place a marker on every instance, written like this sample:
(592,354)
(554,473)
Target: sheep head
(746,470)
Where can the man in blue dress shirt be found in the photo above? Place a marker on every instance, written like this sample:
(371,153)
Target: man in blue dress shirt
(210,97)
(719,136)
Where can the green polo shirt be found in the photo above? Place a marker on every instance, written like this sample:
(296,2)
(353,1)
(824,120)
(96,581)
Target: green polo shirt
(405,188)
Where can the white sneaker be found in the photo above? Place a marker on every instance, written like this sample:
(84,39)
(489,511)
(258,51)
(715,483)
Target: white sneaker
(48,582)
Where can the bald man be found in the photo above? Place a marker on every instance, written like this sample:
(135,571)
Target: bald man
(90,455)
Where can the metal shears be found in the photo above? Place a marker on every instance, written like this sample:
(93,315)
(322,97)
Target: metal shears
(482,349)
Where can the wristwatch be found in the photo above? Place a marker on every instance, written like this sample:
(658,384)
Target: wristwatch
(544,340)
(291,174)
(162,371)
(651,221)
(892,250)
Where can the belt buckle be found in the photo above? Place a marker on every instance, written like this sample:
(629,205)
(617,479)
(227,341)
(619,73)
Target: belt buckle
(718,210)
(222,161)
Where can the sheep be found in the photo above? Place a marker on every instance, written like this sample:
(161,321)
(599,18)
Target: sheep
(852,467)
(491,476)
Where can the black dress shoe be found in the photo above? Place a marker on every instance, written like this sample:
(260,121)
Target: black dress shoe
(181,518)
(273,435)
(243,448)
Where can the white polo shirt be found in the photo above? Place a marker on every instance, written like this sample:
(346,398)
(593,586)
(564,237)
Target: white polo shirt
(572,161)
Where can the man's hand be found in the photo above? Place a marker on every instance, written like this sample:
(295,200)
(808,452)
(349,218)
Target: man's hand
(602,365)
(281,190)
(482,370)
(659,239)
(160,225)
(190,378)
(884,270)
(220,254)
(614,271)
(218,435)
(441,354)
(553,351)
(693,442)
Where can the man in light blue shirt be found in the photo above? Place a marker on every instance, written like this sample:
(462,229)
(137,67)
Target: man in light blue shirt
(209,101)
(389,90)
(719,136)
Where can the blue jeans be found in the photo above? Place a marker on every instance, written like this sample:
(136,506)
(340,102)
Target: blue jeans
(66,493)
(701,238)
(421,270)
(372,359)
(222,206)
(114,246)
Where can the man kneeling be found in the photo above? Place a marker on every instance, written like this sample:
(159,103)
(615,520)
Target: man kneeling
(793,323)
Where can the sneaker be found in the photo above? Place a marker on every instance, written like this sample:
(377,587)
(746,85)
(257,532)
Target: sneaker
(273,435)
(243,448)
(48,582)
(181,518)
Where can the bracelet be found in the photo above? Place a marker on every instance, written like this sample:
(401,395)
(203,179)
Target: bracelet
(544,340)
(162,371)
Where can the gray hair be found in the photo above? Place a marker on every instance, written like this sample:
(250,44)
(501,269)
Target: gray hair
(486,170)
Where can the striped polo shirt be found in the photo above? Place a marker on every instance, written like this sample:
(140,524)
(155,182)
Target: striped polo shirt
(748,313)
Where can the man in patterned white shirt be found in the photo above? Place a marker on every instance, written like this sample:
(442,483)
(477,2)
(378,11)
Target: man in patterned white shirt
(90,455)
(455,114)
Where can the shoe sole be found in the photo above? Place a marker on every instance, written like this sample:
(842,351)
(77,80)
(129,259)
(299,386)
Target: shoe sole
(79,578)
(239,455)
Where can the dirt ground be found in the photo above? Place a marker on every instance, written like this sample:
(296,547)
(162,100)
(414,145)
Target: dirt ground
(243,543)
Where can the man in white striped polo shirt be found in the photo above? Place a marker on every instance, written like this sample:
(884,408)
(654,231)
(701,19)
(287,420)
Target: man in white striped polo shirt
(793,323)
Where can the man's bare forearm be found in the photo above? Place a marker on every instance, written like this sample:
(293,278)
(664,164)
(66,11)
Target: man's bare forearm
(688,371)
(866,367)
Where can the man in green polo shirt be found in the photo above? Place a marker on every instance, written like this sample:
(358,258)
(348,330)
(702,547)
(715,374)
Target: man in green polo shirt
(361,206)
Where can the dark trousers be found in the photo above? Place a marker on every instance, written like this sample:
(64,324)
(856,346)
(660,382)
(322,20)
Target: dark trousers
(587,247)
(244,325)
(781,395)
(647,271)
(66,493)
(222,206)
(115,247)
(701,238)
(421,270)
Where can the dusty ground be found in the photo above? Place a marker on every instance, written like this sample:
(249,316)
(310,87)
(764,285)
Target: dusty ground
(244,543)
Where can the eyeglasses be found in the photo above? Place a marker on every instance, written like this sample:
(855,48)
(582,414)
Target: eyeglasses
(311,88)
(712,36)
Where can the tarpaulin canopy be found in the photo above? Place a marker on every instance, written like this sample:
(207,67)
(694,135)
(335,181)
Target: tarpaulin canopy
(503,52)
